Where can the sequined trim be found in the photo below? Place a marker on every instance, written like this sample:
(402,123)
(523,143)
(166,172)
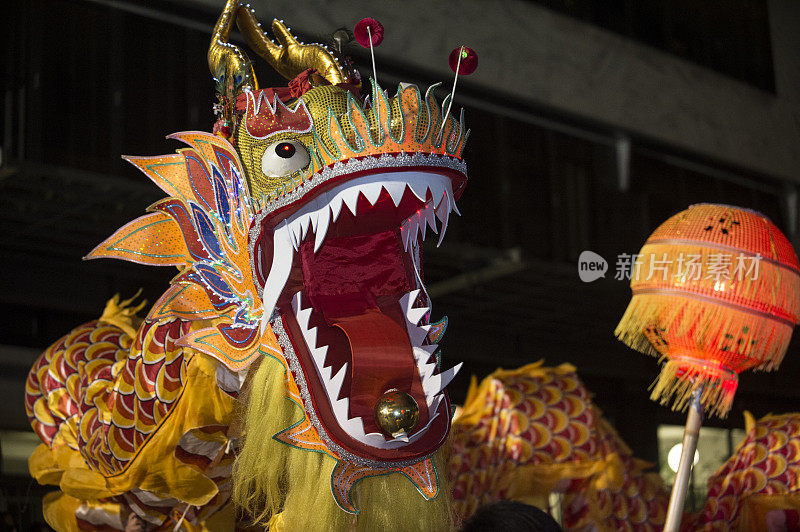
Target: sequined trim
(340,168)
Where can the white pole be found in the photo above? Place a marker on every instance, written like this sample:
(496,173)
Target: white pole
(690,435)
(372,54)
(453,93)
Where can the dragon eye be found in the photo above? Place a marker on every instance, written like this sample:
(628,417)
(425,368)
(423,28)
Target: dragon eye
(284,157)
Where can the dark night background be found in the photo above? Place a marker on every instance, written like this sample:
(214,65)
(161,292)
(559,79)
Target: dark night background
(592,122)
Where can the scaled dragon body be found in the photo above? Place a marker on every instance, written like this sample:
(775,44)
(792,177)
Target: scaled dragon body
(298,305)
(247,394)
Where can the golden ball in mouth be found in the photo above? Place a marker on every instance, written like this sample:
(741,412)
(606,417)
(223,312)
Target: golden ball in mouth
(396,413)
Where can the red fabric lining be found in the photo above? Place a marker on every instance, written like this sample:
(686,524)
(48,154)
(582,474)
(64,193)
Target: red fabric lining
(365,266)
(381,359)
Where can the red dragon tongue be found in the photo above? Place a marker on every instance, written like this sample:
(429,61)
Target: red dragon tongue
(381,354)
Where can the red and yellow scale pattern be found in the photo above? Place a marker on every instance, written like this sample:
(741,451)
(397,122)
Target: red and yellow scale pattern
(762,477)
(623,496)
(54,391)
(75,379)
(115,436)
(524,434)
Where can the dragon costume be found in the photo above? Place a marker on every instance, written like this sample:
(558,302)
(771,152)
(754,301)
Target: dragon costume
(291,367)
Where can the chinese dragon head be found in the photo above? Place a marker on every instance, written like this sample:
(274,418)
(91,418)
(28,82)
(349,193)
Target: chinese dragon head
(299,311)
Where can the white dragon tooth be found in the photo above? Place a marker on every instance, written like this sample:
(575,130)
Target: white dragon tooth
(310,336)
(425,368)
(422,226)
(296,303)
(350,198)
(433,405)
(443,379)
(413,315)
(340,407)
(408,299)
(413,228)
(282,257)
(302,319)
(319,356)
(443,214)
(415,259)
(296,230)
(418,334)
(396,191)
(430,217)
(444,229)
(430,385)
(325,375)
(372,191)
(421,357)
(437,192)
(454,207)
(443,210)
(405,232)
(336,207)
(305,223)
(315,207)
(419,188)
(335,383)
(428,351)
(354,427)
(321,229)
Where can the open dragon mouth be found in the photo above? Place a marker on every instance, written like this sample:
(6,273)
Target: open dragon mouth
(343,271)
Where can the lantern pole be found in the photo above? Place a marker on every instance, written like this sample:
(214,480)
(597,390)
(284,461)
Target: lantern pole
(690,435)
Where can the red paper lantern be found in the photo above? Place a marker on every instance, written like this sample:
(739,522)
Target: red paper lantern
(716,291)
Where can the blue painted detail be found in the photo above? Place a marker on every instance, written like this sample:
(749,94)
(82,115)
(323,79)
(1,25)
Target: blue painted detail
(221,197)
(205,231)
(214,281)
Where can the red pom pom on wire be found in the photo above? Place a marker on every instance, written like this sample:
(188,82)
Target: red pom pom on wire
(368,32)
(468,63)
(463,61)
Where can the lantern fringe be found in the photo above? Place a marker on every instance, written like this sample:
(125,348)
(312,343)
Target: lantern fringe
(680,378)
(708,306)
(698,328)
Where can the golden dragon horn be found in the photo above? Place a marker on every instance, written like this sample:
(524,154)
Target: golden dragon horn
(289,57)
(226,58)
